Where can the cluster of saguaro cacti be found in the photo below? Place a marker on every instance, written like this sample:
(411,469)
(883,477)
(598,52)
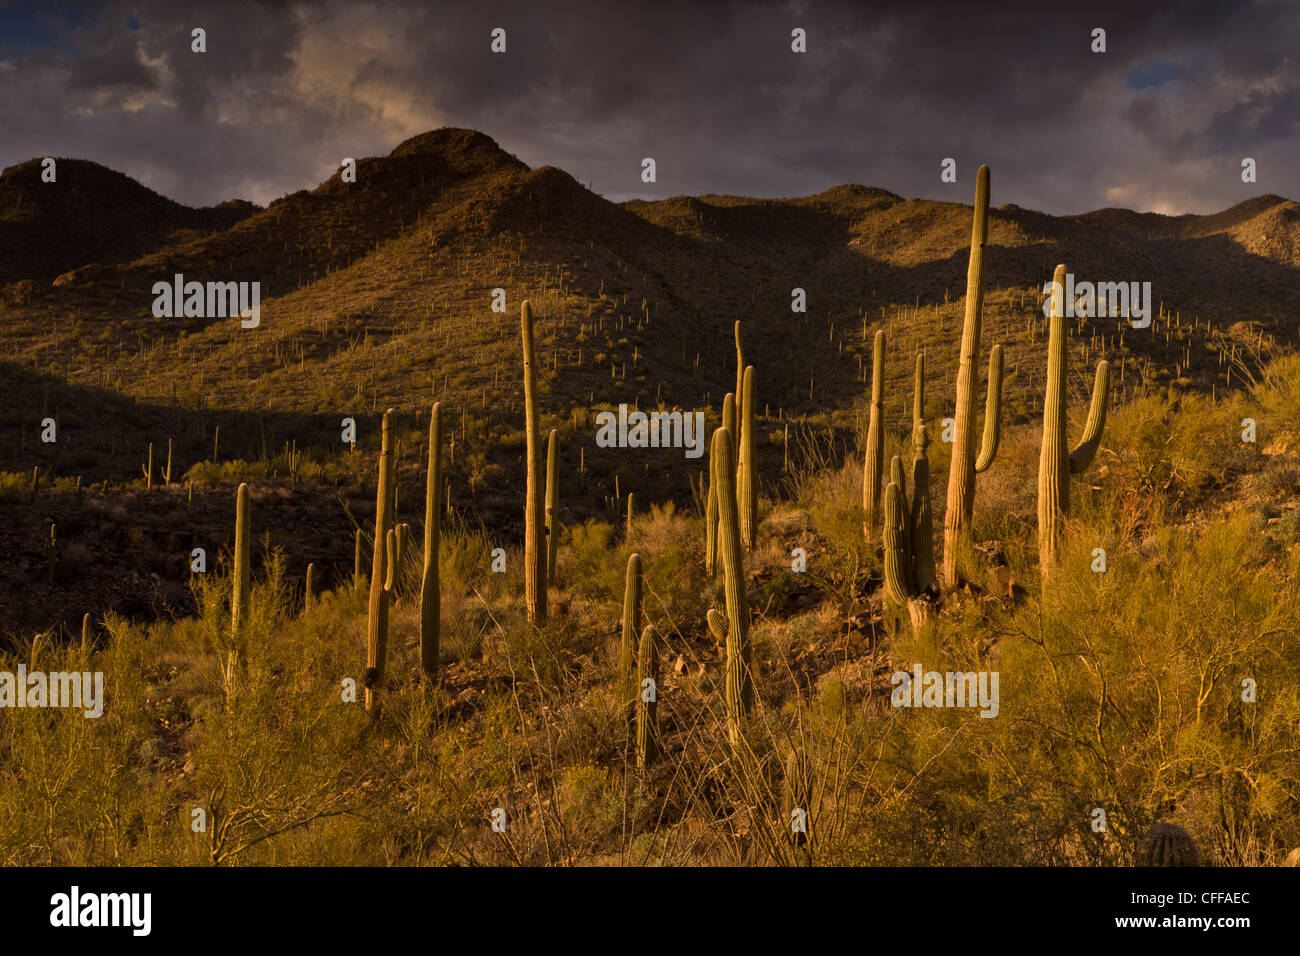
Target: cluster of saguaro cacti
(908,537)
(733,631)
(381,570)
(965,465)
(534,524)
(647,698)
(1056,463)
(430,597)
(1167,844)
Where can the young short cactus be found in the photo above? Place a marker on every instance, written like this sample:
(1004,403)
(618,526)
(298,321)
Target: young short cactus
(430,596)
(552,504)
(534,524)
(1056,463)
(627,650)
(647,699)
(796,801)
(239,596)
(746,468)
(380,590)
(734,630)
(965,465)
(1167,844)
(631,509)
(874,463)
(147,469)
(356,559)
(167,472)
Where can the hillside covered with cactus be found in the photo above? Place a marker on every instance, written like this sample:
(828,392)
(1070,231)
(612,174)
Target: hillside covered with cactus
(369,582)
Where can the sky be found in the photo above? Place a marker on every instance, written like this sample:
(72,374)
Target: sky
(713,92)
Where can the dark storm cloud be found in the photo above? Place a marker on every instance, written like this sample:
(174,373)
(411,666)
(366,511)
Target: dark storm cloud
(712,91)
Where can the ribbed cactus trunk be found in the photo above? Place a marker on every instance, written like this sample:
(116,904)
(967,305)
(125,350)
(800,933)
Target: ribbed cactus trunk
(647,698)
(631,510)
(627,650)
(239,596)
(711,514)
(534,525)
(918,397)
(739,684)
(900,588)
(1055,462)
(377,617)
(430,593)
(552,504)
(922,522)
(874,464)
(961,473)
(747,468)
(309,587)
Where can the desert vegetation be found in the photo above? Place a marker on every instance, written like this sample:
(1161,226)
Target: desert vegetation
(624,656)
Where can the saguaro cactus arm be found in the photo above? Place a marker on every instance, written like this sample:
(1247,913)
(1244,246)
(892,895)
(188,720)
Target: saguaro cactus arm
(992,413)
(1082,456)
(747,470)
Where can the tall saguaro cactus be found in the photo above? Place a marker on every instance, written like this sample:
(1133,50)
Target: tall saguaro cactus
(740,385)
(243,542)
(711,509)
(552,504)
(874,464)
(534,525)
(965,465)
(747,467)
(1056,463)
(430,594)
(627,650)
(377,616)
(647,698)
(900,561)
(734,630)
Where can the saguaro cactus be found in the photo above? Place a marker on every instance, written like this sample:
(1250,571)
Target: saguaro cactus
(922,535)
(734,631)
(902,569)
(552,504)
(647,698)
(627,650)
(740,386)
(534,526)
(356,559)
(430,595)
(965,465)
(874,464)
(1055,462)
(1167,844)
(747,468)
(243,542)
(711,509)
(377,617)
(309,587)
(796,800)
